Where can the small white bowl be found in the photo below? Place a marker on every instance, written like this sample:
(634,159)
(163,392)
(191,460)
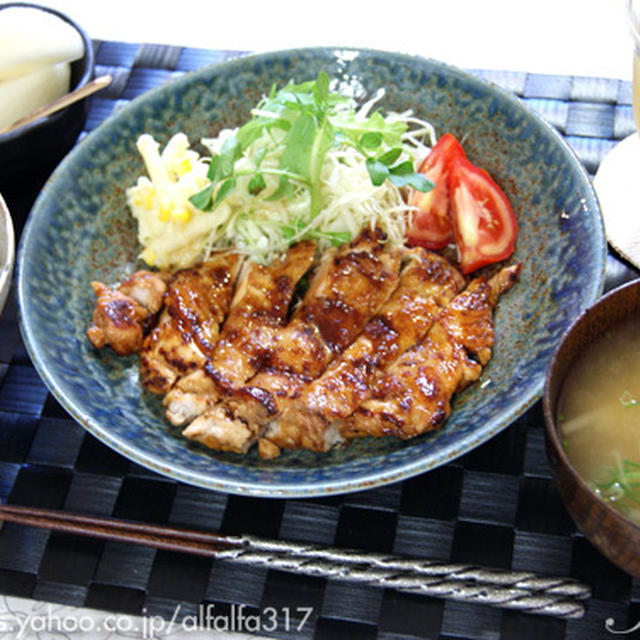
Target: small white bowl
(7,252)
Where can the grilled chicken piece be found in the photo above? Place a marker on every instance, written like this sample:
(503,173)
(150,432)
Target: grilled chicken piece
(122,316)
(196,304)
(223,428)
(218,428)
(184,407)
(259,307)
(147,288)
(414,395)
(190,397)
(288,434)
(350,285)
(428,282)
(117,321)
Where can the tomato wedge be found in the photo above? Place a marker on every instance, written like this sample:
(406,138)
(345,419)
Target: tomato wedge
(431,226)
(484,226)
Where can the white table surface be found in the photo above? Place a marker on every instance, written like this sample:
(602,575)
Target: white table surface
(582,37)
(565,37)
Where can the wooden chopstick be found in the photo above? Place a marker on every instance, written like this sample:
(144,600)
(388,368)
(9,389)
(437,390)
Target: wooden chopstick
(524,591)
(160,537)
(60,103)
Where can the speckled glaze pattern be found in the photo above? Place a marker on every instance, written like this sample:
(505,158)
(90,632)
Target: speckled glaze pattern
(80,230)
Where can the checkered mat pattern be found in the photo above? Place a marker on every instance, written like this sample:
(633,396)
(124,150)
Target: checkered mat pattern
(496,506)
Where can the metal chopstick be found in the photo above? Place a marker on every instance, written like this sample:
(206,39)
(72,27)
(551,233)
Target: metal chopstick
(519,590)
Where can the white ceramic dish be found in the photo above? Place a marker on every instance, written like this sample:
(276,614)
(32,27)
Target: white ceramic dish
(7,252)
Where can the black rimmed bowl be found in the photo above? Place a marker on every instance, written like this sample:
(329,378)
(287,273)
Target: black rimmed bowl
(29,154)
(80,230)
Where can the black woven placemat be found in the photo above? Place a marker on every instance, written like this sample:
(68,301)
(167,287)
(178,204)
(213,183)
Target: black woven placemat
(496,506)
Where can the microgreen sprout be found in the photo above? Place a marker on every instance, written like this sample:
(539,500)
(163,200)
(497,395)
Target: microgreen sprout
(298,125)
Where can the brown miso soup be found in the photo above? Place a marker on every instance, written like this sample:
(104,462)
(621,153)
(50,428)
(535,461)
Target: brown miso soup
(599,417)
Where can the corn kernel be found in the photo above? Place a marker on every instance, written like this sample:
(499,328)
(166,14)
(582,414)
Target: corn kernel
(184,166)
(143,197)
(165,211)
(182,215)
(149,256)
(148,199)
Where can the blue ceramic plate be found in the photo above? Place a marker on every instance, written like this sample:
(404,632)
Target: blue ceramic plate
(80,230)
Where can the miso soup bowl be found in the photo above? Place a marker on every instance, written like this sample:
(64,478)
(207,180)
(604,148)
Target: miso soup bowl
(615,536)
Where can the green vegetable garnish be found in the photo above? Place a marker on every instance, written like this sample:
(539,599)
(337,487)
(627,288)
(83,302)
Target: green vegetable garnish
(621,482)
(296,226)
(299,124)
(627,400)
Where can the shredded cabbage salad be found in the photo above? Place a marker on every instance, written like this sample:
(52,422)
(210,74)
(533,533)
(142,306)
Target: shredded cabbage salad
(309,164)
